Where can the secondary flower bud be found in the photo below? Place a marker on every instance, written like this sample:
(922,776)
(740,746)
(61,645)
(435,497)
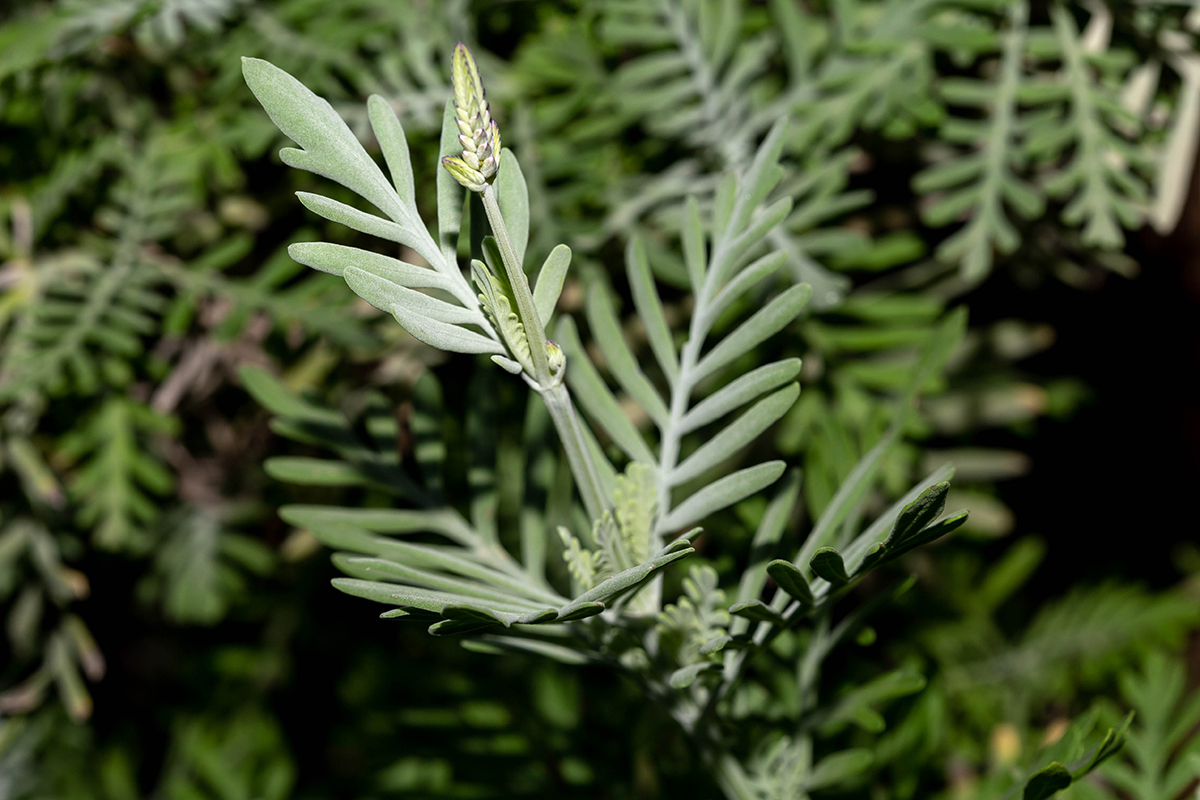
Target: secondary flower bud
(555,357)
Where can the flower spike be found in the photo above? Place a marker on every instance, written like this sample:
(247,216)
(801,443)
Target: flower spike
(477,130)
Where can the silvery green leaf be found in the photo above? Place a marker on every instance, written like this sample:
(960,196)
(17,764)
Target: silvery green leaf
(363,222)
(443,335)
(493,643)
(680,542)
(694,247)
(765,323)
(621,362)
(920,513)
(577,611)
(451,560)
(472,612)
(508,365)
(715,645)
(622,582)
(649,307)
(736,435)
(314,471)
(412,597)
(855,551)
(722,493)
(762,176)
(838,767)
(739,392)
(334,258)
(539,617)
(550,282)
(271,393)
(383,294)
(386,571)
(887,550)
(381,520)
(514,203)
(685,676)
(397,613)
(330,149)
(597,400)
(461,626)
(743,282)
(339,535)
(390,135)
(763,223)
(449,191)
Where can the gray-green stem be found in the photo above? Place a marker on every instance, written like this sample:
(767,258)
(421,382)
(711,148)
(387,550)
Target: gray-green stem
(520,288)
(554,393)
(579,457)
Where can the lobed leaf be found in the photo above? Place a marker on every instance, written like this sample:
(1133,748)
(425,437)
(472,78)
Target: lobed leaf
(765,323)
(606,332)
(442,335)
(736,435)
(721,494)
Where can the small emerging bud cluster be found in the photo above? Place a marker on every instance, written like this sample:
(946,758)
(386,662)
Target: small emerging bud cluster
(555,358)
(477,130)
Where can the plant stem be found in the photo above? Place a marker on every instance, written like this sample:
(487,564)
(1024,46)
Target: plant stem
(570,433)
(554,394)
(520,287)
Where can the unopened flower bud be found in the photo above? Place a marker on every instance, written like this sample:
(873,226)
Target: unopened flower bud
(478,133)
(555,358)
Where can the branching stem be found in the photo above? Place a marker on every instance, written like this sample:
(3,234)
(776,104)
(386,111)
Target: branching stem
(520,288)
(552,391)
(579,456)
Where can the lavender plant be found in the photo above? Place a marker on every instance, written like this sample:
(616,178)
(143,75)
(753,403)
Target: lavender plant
(660,453)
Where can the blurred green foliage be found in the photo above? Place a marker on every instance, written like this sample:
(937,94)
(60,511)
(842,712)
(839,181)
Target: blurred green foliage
(166,635)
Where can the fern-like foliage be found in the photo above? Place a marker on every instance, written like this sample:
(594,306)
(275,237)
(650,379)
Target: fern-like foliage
(1075,644)
(1049,121)
(1089,632)
(633,518)
(468,583)
(201,567)
(118,476)
(39,624)
(1161,758)
(1057,131)
(392,285)
(158,23)
(721,271)
(697,62)
(83,320)
(984,184)
(381,48)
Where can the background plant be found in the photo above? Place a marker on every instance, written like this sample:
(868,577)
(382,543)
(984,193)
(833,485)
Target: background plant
(84,89)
